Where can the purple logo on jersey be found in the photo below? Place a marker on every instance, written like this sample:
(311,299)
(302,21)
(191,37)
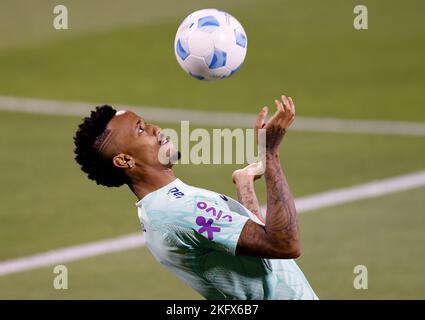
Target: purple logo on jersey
(218,215)
(206,226)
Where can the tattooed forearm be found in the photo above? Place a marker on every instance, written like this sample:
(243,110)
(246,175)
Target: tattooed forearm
(279,237)
(247,196)
(281,213)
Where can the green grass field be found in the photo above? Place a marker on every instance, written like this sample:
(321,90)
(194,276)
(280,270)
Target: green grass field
(124,55)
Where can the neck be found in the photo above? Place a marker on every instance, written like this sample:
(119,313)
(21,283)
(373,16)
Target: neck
(149,182)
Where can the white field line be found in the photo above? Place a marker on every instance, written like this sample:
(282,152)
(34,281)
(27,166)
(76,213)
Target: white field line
(73,253)
(304,204)
(211,118)
(363,191)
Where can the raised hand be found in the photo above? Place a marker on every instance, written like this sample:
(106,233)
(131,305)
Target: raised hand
(279,123)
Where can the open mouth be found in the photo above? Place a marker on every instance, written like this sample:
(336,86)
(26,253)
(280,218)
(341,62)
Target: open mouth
(163,140)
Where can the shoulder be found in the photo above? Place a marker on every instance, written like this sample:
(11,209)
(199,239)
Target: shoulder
(187,207)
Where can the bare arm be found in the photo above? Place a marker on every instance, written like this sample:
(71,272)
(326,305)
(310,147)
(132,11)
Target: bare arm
(279,238)
(246,192)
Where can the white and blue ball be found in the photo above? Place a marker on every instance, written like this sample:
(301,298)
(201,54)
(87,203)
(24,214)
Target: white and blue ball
(210,44)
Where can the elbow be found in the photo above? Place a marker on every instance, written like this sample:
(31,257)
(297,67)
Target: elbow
(295,251)
(290,251)
(285,246)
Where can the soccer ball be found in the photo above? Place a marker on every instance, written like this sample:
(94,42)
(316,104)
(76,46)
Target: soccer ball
(210,44)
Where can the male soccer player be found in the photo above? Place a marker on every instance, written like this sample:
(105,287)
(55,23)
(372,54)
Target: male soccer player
(220,247)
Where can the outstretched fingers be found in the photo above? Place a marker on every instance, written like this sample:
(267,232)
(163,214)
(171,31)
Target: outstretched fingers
(292,105)
(261,118)
(260,122)
(279,105)
(286,103)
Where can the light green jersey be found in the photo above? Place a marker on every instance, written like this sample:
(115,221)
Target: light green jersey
(193,232)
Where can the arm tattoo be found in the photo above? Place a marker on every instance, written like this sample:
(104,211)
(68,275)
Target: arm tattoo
(279,238)
(248,198)
(281,212)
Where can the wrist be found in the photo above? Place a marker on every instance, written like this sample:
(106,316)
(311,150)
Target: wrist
(272,154)
(242,178)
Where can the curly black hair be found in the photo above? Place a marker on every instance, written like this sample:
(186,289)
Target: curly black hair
(89,133)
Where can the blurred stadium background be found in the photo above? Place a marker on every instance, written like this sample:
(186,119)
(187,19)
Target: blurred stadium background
(121,52)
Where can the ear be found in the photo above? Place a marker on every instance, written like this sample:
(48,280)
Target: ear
(123,161)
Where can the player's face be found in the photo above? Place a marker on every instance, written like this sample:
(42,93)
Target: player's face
(143,141)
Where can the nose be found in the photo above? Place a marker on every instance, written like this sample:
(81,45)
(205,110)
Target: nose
(154,129)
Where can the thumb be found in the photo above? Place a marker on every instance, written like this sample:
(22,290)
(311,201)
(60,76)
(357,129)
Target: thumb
(260,121)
